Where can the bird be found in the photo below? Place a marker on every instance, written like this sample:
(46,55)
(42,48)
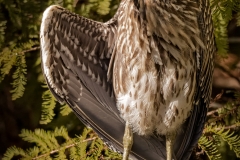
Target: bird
(141,80)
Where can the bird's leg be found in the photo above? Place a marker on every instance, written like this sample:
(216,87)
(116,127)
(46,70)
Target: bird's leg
(127,141)
(170,138)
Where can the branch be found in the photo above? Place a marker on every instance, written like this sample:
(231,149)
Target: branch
(65,147)
(234,126)
(29,50)
(212,112)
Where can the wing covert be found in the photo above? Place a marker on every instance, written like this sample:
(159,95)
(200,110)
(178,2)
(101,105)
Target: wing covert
(72,42)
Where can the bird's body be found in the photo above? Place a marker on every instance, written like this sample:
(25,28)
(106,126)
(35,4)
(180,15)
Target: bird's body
(154,82)
(149,67)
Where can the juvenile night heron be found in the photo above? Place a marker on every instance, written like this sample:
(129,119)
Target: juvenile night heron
(148,70)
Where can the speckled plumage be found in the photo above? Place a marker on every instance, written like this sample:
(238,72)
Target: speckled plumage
(150,65)
(154,72)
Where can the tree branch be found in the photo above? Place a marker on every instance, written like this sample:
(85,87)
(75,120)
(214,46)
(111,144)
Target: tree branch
(65,147)
(29,50)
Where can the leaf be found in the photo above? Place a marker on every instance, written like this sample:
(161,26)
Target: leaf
(19,77)
(48,106)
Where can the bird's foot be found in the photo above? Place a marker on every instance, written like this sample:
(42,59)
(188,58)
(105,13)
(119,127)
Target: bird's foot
(127,141)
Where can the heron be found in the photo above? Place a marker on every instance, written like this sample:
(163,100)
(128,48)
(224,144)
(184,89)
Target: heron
(141,80)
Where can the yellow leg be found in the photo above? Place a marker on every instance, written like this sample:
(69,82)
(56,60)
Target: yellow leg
(170,138)
(127,141)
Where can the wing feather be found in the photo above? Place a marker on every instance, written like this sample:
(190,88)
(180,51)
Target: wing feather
(75,57)
(196,121)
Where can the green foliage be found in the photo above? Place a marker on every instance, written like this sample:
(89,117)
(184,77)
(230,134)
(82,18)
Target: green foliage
(58,144)
(65,110)
(220,127)
(14,56)
(19,34)
(7,60)
(48,106)
(19,77)
(210,148)
(226,135)
(18,14)
(103,7)
(96,9)
(221,15)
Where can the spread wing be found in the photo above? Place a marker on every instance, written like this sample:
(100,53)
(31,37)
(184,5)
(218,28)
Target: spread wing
(196,121)
(75,57)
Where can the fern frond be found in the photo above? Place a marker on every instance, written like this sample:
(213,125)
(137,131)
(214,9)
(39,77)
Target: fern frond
(48,147)
(61,132)
(19,77)
(210,148)
(227,135)
(7,60)
(82,148)
(221,14)
(65,110)
(33,152)
(14,151)
(96,148)
(14,56)
(48,106)
(221,17)
(39,137)
(103,7)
